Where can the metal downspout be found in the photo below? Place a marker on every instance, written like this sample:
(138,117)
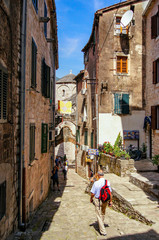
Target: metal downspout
(22,116)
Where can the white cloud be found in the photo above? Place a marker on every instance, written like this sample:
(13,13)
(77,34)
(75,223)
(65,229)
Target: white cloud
(70,46)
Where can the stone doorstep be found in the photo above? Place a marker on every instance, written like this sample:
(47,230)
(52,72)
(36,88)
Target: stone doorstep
(151,187)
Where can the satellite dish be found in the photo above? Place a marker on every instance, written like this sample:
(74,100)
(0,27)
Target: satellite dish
(126,18)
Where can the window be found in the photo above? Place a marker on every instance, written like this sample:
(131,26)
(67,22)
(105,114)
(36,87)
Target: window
(155,26)
(34,63)
(86,137)
(44,138)
(121,103)
(45,79)
(118,28)
(35,3)
(122,64)
(45,24)
(2,199)
(155,117)
(156,71)
(3,93)
(92,136)
(78,135)
(63,93)
(32,142)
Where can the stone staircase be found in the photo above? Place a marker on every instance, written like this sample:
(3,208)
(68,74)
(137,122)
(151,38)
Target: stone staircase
(137,196)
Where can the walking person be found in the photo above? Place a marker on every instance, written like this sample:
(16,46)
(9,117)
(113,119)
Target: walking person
(100,207)
(55,178)
(65,170)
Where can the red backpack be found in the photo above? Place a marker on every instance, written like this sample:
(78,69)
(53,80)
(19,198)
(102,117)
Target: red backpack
(105,193)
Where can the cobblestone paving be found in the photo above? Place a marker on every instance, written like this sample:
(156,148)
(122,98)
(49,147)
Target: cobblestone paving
(68,215)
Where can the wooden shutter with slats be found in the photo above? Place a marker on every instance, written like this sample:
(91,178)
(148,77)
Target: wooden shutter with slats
(44,138)
(154,26)
(34,63)
(153,117)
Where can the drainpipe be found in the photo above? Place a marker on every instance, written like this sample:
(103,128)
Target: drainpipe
(22,219)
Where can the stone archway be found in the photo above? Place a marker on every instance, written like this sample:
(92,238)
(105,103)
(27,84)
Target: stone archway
(65,141)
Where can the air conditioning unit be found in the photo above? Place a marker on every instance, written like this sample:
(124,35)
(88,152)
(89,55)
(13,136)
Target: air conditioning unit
(84,119)
(51,135)
(86,148)
(83,147)
(83,91)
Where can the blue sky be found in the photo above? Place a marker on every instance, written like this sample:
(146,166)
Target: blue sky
(75,20)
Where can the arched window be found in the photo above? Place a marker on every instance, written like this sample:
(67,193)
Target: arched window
(63,93)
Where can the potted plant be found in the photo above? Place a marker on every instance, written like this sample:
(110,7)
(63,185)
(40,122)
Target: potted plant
(155,161)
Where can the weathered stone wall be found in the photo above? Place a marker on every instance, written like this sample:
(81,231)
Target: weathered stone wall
(9,129)
(38,109)
(120,167)
(152,90)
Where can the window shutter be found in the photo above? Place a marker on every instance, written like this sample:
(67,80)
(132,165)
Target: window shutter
(0,94)
(153,117)
(32,142)
(86,138)
(5,83)
(154,26)
(92,135)
(124,64)
(48,82)
(118,65)
(2,199)
(34,62)
(125,103)
(42,75)
(117,103)
(154,72)
(44,138)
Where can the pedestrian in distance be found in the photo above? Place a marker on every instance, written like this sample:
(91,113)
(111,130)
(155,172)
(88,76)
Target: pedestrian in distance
(55,178)
(65,170)
(57,161)
(100,207)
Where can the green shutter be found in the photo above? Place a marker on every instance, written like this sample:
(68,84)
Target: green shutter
(92,135)
(44,138)
(117,103)
(32,142)
(34,63)
(48,83)
(125,103)
(86,138)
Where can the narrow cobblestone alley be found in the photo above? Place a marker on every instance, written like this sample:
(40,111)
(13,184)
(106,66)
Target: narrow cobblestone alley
(69,215)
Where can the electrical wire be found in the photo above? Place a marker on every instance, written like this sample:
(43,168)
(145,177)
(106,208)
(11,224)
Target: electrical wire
(108,31)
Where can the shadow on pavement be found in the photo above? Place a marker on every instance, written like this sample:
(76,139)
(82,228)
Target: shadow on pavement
(150,235)
(44,215)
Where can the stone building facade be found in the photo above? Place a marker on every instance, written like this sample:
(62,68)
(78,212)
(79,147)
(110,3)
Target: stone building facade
(151,18)
(10,16)
(118,57)
(66,124)
(41,61)
(85,131)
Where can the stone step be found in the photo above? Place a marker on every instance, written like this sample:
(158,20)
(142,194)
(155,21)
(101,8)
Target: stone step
(131,200)
(146,182)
